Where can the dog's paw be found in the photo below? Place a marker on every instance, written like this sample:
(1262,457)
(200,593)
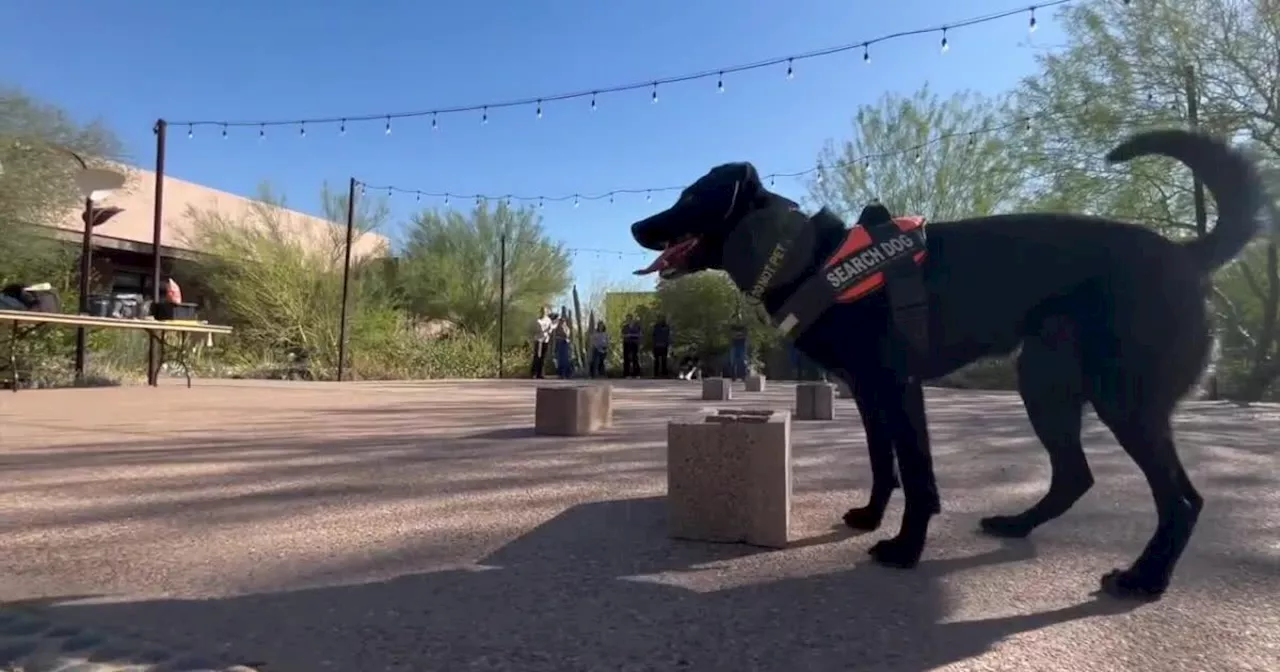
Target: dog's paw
(865,518)
(1126,584)
(1005,527)
(897,553)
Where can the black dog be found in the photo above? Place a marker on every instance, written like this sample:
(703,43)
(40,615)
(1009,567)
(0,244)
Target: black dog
(1106,312)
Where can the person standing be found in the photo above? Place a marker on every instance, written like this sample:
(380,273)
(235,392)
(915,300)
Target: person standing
(599,350)
(539,338)
(561,334)
(631,335)
(738,349)
(661,346)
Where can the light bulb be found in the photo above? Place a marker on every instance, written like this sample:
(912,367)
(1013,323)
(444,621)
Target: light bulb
(435,123)
(190,132)
(302,130)
(539,109)
(866,54)
(655,92)
(1031,25)
(593,102)
(946,46)
(791,73)
(342,127)
(388,129)
(575,201)
(224,131)
(484,116)
(720,83)
(262,132)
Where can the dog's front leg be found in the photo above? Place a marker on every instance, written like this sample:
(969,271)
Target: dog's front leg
(884,479)
(919,487)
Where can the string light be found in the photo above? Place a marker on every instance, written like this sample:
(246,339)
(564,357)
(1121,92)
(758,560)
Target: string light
(601,253)
(224,131)
(539,109)
(1031,26)
(342,128)
(538,102)
(821,171)
(720,83)
(435,122)
(262,132)
(302,129)
(190,132)
(484,116)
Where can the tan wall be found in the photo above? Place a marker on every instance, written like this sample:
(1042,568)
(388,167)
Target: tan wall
(137,200)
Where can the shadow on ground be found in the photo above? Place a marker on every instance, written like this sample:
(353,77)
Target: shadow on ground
(599,587)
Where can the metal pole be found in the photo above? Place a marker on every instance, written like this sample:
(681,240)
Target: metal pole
(502,299)
(86,268)
(1202,218)
(1193,117)
(346,279)
(157,226)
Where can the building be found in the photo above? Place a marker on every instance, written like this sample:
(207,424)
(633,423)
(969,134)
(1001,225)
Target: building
(122,246)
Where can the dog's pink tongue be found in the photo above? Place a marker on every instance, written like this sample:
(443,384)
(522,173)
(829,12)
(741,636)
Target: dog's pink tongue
(658,264)
(668,257)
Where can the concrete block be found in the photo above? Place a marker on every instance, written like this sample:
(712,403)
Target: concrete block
(717,389)
(729,478)
(573,410)
(755,382)
(815,401)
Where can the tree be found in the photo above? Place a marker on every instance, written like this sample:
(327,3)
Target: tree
(1126,68)
(37,185)
(920,155)
(450,267)
(701,307)
(283,291)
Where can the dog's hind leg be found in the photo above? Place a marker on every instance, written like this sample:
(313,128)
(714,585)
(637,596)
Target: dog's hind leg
(1149,441)
(1051,384)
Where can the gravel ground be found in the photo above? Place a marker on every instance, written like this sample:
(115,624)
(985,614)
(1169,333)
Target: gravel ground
(302,527)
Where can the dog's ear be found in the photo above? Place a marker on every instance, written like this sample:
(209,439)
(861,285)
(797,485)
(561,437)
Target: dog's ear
(743,172)
(746,186)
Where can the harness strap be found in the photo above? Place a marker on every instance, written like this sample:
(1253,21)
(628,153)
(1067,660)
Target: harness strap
(893,253)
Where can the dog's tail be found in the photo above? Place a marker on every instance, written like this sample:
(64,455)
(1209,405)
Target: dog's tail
(1228,174)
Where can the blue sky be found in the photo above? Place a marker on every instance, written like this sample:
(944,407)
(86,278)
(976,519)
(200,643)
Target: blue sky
(293,59)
